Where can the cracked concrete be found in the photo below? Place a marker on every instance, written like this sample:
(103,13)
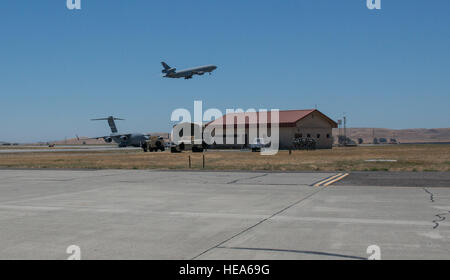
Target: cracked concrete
(440,217)
(127,214)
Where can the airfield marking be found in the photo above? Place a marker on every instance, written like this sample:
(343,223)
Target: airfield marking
(326,180)
(337,179)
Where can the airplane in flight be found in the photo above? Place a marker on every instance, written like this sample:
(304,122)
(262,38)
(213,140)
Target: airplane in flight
(122,140)
(187,73)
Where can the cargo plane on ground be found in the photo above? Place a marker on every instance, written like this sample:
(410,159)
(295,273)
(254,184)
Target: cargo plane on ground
(122,140)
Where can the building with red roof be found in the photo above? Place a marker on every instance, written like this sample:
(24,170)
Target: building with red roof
(292,124)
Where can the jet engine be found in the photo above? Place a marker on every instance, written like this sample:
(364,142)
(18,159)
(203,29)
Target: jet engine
(108,139)
(124,138)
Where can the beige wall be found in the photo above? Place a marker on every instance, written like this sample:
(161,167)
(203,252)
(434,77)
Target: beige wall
(314,124)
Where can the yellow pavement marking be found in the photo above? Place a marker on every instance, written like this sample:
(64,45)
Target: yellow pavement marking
(335,180)
(328,179)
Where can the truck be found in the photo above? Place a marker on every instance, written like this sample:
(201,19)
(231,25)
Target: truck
(258,144)
(154,144)
(188,144)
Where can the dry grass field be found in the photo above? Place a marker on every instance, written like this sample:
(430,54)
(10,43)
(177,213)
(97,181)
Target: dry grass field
(408,158)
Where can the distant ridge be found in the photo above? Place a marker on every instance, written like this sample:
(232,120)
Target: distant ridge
(80,141)
(415,135)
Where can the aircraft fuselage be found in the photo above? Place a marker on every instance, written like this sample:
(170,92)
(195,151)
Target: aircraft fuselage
(127,140)
(189,73)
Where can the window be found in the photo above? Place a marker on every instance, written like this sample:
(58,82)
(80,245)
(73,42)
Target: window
(328,136)
(309,135)
(318,136)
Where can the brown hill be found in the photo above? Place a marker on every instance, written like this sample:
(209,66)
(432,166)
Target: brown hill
(80,141)
(416,135)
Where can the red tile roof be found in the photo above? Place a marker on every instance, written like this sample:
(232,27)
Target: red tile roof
(287,118)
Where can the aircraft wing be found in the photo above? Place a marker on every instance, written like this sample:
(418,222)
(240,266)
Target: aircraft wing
(107,136)
(92,138)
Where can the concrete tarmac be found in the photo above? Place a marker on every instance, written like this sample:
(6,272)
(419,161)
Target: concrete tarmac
(397,179)
(130,214)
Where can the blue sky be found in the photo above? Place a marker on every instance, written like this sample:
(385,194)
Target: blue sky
(60,68)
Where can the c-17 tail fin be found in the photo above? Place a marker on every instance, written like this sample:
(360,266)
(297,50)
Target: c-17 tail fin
(111,121)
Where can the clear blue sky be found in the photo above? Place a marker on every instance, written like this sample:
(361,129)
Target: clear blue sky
(60,68)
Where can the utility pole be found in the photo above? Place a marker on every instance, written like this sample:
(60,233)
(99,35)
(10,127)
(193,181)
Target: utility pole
(339,131)
(345,130)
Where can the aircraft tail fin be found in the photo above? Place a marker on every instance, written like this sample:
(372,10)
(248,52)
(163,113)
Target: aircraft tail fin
(111,121)
(166,67)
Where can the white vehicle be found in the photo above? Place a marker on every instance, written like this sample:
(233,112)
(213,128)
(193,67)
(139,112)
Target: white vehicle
(258,144)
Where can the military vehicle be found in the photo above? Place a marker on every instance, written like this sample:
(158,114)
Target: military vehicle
(154,144)
(393,141)
(190,144)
